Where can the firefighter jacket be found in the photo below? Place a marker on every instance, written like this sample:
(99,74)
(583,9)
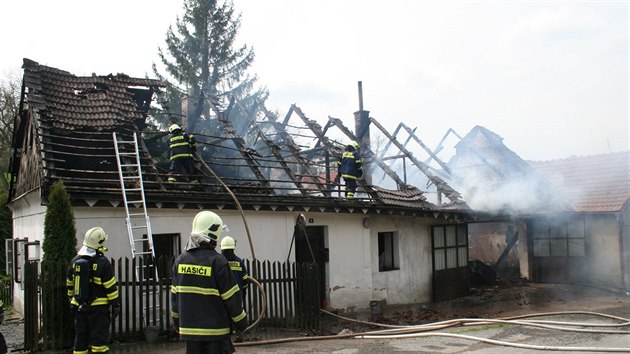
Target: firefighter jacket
(181,144)
(350,165)
(103,286)
(205,298)
(239,270)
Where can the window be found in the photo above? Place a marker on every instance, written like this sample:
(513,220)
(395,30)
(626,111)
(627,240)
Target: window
(18,258)
(558,238)
(450,246)
(166,246)
(8,257)
(387,251)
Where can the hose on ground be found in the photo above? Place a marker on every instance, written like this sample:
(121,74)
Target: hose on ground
(425,331)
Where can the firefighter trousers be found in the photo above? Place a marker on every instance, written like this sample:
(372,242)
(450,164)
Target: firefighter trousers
(92,330)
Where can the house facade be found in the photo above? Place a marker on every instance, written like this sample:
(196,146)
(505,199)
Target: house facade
(390,245)
(567,218)
(590,242)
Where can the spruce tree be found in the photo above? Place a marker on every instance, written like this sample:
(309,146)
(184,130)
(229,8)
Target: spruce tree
(203,65)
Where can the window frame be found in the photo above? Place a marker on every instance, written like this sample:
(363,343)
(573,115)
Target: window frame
(388,257)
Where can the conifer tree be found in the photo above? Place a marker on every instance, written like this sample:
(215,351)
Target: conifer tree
(6,225)
(59,246)
(203,66)
(60,240)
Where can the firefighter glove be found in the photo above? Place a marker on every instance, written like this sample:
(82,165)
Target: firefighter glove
(240,326)
(115,311)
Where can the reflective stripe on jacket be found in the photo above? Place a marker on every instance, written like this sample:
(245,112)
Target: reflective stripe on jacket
(350,165)
(239,270)
(181,145)
(204,295)
(103,287)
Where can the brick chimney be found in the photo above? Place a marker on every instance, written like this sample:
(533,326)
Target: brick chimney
(362,131)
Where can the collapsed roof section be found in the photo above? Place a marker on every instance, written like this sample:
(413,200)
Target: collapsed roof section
(64,131)
(64,128)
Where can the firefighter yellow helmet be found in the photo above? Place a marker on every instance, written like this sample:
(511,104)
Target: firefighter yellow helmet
(209,224)
(228,243)
(174,127)
(355,145)
(95,238)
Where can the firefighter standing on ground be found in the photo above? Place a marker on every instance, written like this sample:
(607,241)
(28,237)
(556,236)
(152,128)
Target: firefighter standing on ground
(350,168)
(228,244)
(181,147)
(93,319)
(205,298)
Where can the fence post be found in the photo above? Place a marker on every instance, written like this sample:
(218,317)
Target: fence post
(31,310)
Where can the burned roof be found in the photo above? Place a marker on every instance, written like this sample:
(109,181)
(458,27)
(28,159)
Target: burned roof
(597,183)
(65,132)
(492,177)
(67,102)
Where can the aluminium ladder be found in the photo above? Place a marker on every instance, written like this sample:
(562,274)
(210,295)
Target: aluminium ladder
(130,173)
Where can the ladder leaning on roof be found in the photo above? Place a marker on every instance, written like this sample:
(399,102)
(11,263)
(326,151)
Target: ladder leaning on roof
(130,173)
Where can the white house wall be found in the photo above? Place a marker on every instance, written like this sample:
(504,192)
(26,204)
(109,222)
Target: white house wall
(28,222)
(353,278)
(624,220)
(411,283)
(603,252)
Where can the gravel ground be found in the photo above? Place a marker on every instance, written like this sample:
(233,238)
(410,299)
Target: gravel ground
(493,302)
(13,331)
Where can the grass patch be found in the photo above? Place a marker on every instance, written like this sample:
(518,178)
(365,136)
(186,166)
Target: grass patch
(482,328)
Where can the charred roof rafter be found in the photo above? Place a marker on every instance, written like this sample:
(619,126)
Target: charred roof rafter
(441,185)
(368,155)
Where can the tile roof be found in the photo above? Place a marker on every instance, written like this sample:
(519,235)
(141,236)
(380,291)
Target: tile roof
(70,102)
(491,177)
(598,183)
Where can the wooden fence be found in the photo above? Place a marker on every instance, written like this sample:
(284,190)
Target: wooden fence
(292,300)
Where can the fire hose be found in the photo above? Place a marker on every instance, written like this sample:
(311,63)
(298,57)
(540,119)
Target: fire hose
(263,308)
(426,331)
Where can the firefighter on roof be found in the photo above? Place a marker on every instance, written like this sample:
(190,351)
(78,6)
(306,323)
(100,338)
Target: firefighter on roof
(350,168)
(181,147)
(205,298)
(91,296)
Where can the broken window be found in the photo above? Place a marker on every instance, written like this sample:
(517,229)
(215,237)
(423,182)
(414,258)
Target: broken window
(165,246)
(387,251)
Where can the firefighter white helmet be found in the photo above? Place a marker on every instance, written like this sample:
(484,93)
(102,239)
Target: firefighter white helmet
(355,145)
(174,127)
(208,224)
(95,238)
(228,243)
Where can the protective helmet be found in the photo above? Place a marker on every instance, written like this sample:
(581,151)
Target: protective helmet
(355,145)
(228,243)
(174,127)
(207,223)
(95,238)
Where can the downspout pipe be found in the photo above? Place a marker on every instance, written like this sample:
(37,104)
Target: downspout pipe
(624,254)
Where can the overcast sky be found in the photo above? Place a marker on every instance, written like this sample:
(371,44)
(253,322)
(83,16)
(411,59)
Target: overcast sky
(550,77)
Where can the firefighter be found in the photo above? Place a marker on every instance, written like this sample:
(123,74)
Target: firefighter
(228,244)
(350,168)
(205,298)
(92,320)
(181,147)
